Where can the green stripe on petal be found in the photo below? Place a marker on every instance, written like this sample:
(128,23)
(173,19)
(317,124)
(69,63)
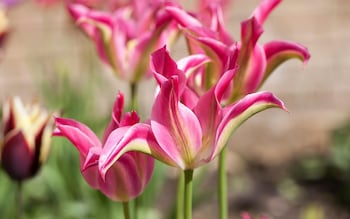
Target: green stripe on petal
(239,112)
(278,52)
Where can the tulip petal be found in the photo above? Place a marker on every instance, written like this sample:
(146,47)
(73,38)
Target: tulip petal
(254,70)
(191,63)
(163,65)
(77,133)
(17,157)
(138,138)
(278,52)
(237,113)
(264,9)
(175,126)
(182,17)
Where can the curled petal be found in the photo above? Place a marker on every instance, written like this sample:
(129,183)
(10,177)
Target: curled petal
(163,65)
(182,17)
(138,138)
(191,63)
(77,133)
(264,9)
(278,52)
(237,113)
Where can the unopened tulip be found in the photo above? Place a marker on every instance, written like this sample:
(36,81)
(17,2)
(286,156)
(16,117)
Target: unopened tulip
(26,139)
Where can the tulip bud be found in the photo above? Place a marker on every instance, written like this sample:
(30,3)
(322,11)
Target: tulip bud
(26,138)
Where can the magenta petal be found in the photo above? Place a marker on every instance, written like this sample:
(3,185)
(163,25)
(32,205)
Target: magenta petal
(254,70)
(278,52)
(220,49)
(264,9)
(236,113)
(175,126)
(125,179)
(251,30)
(77,133)
(138,138)
(182,17)
(191,63)
(163,65)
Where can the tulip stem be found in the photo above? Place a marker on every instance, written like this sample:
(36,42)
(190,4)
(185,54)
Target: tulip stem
(188,194)
(19,200)
(222,185)
(180,196)
(126,210)
(133,94)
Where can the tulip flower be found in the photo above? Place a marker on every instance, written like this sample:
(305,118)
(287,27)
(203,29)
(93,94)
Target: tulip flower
(255,62)
(187,135)
(4,27)
(124,39)
(247,216)
(26,139)
(8,3)
(127,177)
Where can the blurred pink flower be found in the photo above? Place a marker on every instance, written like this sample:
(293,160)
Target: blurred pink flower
(4,28)
(187,132)
(127,177)
(26,139)
(255,62)
(245,215)
(125,38)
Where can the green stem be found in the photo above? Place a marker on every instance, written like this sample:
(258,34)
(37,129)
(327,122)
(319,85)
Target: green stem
(126,210)
(137,204)
(133,92)
(19,200)
(188,194)
(180,196)
(222,185)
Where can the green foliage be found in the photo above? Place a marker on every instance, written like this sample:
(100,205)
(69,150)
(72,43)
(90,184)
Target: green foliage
(332,171)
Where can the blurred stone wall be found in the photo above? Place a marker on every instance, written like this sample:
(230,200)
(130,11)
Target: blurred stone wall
(44,40)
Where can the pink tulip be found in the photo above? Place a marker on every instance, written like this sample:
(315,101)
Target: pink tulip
(247,216)
(124,39)
(4,27)
(26,139)
(187,135)
(128,176)
(255,62)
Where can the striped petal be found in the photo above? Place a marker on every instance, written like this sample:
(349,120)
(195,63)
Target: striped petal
(77,133)
(175,126)
(278,52)
(237,113)
(138,138)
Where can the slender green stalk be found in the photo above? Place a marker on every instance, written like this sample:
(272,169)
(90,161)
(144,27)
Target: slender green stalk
(126,210)
(222,185)
(133,106)
(180,196)
(188,194)
(19,200)
(133,92)
(137,205)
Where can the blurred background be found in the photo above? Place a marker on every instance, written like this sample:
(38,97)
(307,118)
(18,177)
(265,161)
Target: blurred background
(283,165)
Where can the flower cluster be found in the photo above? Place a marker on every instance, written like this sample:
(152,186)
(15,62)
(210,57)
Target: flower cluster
(200,101)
